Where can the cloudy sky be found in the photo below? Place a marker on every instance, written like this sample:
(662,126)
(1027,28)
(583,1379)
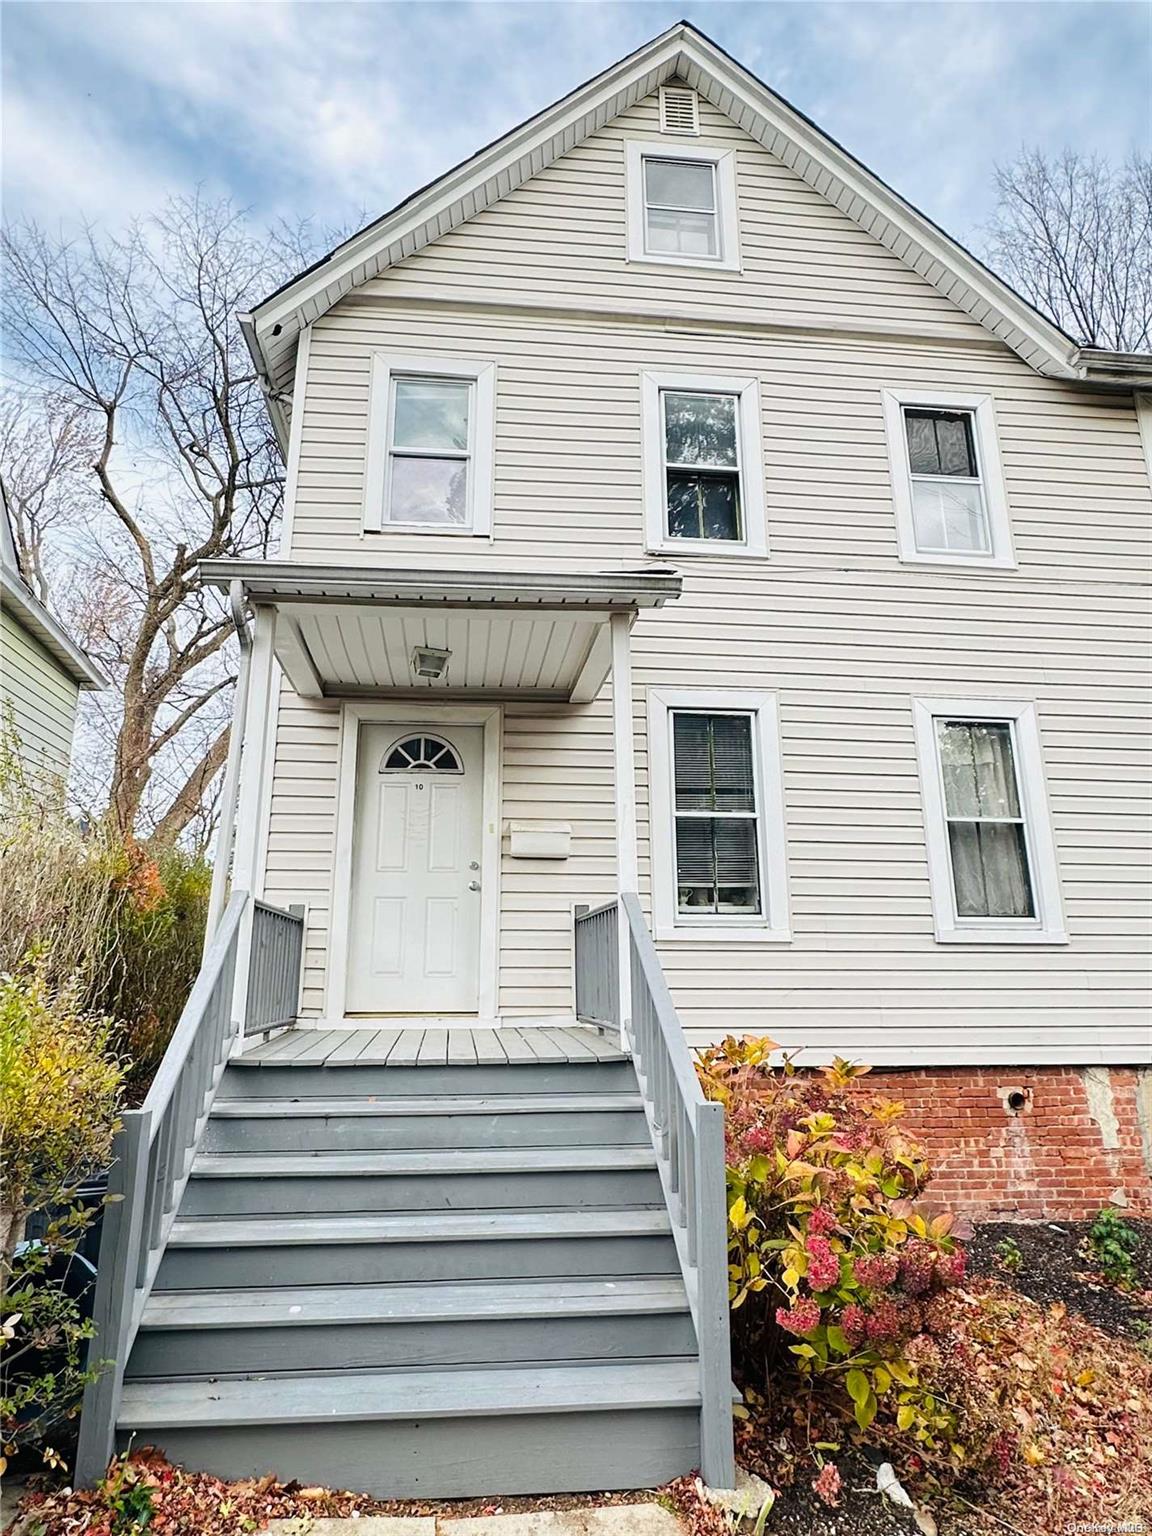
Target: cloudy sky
(331,108)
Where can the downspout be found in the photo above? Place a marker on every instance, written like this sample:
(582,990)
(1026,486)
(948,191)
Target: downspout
(227,835)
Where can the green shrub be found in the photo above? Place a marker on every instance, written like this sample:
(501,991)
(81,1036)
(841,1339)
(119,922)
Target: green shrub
(59,1095)
(122,924)
(832,1268)
(1112,1245)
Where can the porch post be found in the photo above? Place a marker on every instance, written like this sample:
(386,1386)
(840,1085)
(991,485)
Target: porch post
(624,762)
(226,832)
(254,768)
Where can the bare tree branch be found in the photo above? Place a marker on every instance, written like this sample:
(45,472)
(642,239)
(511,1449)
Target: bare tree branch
(1074,235)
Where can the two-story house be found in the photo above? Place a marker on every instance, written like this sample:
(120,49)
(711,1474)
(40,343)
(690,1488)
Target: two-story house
(679,526)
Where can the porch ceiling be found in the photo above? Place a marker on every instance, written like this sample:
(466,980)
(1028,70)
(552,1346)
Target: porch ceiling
(342,633)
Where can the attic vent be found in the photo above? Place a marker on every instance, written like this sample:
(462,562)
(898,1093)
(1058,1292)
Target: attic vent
(678,113)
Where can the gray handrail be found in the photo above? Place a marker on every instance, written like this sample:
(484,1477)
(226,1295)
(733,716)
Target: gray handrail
(155,1145)
(688,1136)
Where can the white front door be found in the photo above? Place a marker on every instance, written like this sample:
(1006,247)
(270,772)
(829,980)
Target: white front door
(414,941)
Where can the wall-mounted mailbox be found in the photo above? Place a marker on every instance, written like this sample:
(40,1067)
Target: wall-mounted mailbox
(539,839)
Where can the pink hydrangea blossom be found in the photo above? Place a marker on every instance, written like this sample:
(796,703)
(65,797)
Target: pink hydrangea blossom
(803,1318)
(758,1139)
(823,1264)
(876,1271)
(884,1323)
(821,1221)
(828,1485)
(854,1321)
(917,1265)
(952,1266)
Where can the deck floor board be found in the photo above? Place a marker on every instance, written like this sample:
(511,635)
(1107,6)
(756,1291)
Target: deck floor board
(433,1047)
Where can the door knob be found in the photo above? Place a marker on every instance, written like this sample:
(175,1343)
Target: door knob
(473,885)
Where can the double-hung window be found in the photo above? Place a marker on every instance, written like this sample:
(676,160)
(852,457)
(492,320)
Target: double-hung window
(992,860)
(703,474)
(429,465)
(948,487)
(681,205)
(717,817)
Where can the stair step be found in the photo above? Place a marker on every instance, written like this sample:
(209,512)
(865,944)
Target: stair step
(427,1246)
(423,1227)
(467,1323)
(451,1433)
(306,1306)
(415,1164)
(292,1080)
(385,1124)
(347,1396)
(440,1104)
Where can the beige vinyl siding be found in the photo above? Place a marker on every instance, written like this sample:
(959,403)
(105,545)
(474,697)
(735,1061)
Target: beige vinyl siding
(42,699)
(830,622)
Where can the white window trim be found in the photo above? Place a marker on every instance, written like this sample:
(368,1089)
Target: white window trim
(482,434)
(636,151)
(986,442)
(1047,927)
(771,925)
(750,460)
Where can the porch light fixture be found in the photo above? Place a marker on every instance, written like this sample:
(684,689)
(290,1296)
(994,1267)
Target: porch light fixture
(427,662)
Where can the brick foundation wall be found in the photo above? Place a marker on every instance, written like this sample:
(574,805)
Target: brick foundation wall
(1031,1141)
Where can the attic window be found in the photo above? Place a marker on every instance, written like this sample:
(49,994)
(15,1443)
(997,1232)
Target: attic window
(678,109)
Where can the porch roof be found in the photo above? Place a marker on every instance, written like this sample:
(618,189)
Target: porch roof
(348,632)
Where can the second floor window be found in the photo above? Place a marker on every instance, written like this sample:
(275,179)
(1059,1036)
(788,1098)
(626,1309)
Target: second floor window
(947,482)
(947,494)
(429,451)
(702,465)
(987,839)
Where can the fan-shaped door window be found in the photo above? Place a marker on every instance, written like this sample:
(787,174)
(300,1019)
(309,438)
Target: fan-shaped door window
(421,754)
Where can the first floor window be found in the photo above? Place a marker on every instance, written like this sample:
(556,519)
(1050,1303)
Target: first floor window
(991,855)
(717,837)
(719,858)
(431,425)
(987,838)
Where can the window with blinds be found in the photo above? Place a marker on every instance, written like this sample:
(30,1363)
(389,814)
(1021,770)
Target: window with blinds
(716,813)
(987,837)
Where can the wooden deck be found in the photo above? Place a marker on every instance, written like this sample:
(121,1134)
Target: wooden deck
(435,1047)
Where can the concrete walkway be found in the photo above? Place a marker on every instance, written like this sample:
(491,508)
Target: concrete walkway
(612,1520)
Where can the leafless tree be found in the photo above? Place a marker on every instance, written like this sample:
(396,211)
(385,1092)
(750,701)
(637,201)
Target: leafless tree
(133,347)
(1073,234)
(46,446)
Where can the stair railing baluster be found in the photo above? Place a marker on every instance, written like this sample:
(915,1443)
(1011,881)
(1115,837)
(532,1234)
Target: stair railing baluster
(155,1147)
(688,1137)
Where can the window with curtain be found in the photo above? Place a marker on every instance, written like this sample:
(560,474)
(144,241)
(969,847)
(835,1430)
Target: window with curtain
(948,504)
(716,814)
(987,838)
(681,208)
(702,464)
(429,451)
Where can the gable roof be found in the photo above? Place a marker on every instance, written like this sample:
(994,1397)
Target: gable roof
(31,614)
(685,53)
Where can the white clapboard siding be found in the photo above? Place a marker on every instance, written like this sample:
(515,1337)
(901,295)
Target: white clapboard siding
(844,635)
(39,699)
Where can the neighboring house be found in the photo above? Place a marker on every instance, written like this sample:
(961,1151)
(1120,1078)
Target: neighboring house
(42,669)
(675,514)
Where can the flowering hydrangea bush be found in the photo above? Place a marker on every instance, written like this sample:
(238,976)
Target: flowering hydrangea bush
(831,1264)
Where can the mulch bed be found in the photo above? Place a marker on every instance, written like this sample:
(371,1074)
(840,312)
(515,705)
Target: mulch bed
(1054,1268)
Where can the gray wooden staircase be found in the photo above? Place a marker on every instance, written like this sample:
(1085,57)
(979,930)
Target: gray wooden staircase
(422,1263)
